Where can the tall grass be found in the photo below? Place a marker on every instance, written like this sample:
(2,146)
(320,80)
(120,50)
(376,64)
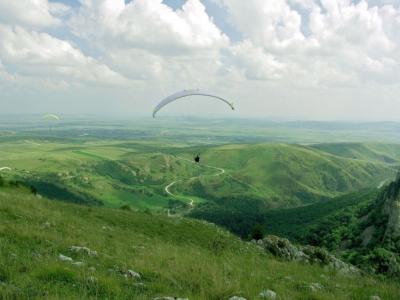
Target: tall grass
(181,258)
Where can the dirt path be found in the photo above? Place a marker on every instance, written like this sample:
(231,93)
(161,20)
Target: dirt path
(191,200)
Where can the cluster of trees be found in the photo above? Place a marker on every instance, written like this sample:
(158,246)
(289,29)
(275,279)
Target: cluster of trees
(334,224)
(56,192)
(240,214)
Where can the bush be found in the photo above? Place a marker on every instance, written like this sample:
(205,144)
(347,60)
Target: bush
(257,232)
(33,190)
(125,207)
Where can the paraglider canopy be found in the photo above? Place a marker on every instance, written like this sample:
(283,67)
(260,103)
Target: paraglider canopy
(46,116)
(186,93)
(5,168)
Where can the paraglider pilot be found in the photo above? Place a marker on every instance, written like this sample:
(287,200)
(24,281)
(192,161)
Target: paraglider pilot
(197,158)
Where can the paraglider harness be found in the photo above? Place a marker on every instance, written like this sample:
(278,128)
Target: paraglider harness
(197,158)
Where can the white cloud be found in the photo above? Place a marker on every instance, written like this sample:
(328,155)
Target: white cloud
(356,40)
(146,39)
(255,62)
(32,13)
(39,53)
(149,25)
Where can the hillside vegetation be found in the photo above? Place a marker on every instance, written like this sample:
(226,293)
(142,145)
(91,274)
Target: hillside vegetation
(286,175)
(357,226)
(388,154)
(174,257)
(114,172)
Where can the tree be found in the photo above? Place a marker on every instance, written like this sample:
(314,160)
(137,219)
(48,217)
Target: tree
(257,232)
(33,190)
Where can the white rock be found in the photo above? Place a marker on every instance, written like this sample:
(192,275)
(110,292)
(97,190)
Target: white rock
(94,253)
(91,269)
(79,264)
(133,274)
(79,249)
(317,286)
(237,298)
(65,258)
(139,284)
(138,247)
(268,294)
(45,225)
(374,298)
(169,298)
(312,289)
(37,195)
(92,279)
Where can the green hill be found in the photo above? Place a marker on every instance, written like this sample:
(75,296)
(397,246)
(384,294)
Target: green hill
(264,175)
(374,152)
(285,175)
(174,257)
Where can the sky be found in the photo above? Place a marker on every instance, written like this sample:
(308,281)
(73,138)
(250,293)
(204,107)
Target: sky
(298,59)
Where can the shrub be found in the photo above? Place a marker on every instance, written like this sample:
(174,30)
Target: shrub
(257,232)
(125,207)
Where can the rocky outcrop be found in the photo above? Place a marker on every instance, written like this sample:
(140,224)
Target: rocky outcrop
(281,247)
(392,207)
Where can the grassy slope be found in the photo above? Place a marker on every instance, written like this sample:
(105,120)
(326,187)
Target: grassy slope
(373,152)
(181,258)
(288,174)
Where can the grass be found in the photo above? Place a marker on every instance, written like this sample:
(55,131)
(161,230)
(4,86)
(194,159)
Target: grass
(182,258)
(89,155)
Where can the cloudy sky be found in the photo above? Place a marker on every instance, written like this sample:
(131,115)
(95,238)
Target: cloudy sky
(305,59)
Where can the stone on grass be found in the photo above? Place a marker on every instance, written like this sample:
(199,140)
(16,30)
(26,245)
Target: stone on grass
(78,249)
(92,279)
(169,298)
(128,273)
(133,274)
(85,250)
(317,286)
(312,289)
(91,269)
(374,298)
(64,258)
(45,225)
(268,294)
(237,298)
(138,247)
(78,263)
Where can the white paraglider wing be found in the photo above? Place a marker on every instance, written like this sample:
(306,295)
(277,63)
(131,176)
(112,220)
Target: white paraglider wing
(186,93)
(5,168)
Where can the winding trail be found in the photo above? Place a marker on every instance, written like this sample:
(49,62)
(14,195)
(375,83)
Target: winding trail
(191,200)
